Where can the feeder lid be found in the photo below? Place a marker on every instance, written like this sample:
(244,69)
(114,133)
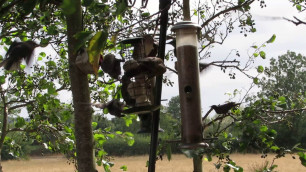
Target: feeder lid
(185,25)
(134,40)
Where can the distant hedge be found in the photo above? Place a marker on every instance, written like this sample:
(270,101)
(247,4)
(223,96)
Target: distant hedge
(118,147)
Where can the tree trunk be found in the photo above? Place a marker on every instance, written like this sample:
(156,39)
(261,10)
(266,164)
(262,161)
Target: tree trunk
(81,97)
(197,164)
(4,127)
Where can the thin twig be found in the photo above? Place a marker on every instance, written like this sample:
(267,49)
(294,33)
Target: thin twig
(297,22)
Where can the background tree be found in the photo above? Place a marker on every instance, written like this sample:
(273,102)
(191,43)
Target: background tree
(284,81)
(38,93)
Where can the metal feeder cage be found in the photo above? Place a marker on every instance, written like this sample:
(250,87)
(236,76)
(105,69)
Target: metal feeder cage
(141,86)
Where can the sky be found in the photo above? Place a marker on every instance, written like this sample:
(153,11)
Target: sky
(215,85)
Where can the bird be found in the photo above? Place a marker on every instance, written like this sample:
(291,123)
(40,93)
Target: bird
(111,65)
(173,43)
(152,66)
(124,91)
(223,109)
(114,107)
(202,66)
(17,52)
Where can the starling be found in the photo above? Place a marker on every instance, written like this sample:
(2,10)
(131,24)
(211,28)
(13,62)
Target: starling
(111,65)
(114,107)
(152,66)
(173,43)
(223,109)
(17,52)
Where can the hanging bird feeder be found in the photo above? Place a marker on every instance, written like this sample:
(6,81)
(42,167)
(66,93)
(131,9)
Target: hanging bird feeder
(137,85)
(138,80)
(189,87)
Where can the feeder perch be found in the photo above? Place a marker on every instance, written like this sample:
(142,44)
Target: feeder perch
(189,87)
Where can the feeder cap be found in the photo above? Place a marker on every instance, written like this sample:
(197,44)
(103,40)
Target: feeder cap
(134,40)
(185,24)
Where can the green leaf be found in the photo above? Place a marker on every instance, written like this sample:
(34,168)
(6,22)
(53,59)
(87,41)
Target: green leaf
(260,69)
(68,7)
(255,54)
(302,157)
(272,39)
(121,7)
(262,54)
(87,3)
(20,122)
(42,54)
(263,128)
(52,30)
(275,148)
(94,124)
(2,80)
(22,67)
(82,38)
(52,90)
(282,99)
(105,111)
(298,7)
(130,142)
(119,132)
(124,168)
(255,80)
(145,14)
(96,45)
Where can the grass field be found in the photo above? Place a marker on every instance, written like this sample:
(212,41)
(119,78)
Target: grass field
(179,163)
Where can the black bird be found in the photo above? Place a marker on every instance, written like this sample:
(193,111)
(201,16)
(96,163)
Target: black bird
(152,66)
(17,52)
(223,109)
(111,65)
(173,43)
(114,107)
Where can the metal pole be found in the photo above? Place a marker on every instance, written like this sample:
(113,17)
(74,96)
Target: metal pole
(164,6)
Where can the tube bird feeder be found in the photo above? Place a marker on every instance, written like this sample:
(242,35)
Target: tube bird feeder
(189,87)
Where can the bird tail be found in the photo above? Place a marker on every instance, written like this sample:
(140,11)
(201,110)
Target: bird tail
(10,64)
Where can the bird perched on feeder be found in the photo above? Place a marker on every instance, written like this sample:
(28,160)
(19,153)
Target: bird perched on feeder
(111,65)
(223,109)
(150,46)
(17,52)
(152,66)
(114,107)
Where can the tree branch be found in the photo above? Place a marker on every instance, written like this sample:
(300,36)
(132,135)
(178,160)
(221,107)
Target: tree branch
(20,105)
(227,10)
(296,22)
(286,111)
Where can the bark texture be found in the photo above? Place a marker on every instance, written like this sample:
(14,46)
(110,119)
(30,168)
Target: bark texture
(81,97)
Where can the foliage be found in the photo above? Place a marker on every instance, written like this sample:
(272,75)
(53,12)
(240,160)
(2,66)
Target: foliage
(38,94)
